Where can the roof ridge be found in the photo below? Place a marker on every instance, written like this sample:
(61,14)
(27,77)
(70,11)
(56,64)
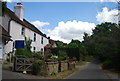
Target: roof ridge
(24,22)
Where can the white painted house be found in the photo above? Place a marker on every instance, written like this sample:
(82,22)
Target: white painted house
(18,27)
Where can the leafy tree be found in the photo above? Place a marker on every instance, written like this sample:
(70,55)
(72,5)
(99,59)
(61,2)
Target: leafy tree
(104,43)
(72,45)
(61,44)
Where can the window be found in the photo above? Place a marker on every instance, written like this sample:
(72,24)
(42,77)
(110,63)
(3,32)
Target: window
(34,37)
(23,31)
(34,48)
(42,51)
(42,40)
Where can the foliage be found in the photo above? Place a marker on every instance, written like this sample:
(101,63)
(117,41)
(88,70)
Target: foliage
(19,52)
(53,74)
(28,42)
(37,55)
(71,52)
(62,55)
(104,43)
(25,51)
(72,45)
(80,63)
(107,65)
(61,44)
(37,67)
(50,58)
(88,58)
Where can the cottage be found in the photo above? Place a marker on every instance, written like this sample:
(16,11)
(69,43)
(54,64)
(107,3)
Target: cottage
(17,27)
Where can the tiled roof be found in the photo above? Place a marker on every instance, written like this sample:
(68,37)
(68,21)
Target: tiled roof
(25,23)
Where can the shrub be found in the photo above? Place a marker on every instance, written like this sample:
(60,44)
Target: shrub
(37,55)
(62,55)
(36,67)
(53,74)
(26,51)
(48,55)
(88,58)
(107,65)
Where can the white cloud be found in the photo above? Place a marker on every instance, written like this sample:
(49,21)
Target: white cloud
(66,31)
(107,15)
(38,23)
(8,0)
(108,0)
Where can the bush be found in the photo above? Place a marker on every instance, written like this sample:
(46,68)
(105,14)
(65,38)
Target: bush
(107,65)
(71,52)
(36,67)
(88,58)
(48,55)
(26,51)
(53,74)
(37,55)
(62,55)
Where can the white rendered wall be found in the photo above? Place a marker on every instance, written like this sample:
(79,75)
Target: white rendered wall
(15,32)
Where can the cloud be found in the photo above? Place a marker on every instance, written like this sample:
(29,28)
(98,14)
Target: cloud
(107,0)
(107,15)
(8,0)
(38,23)
(66,31)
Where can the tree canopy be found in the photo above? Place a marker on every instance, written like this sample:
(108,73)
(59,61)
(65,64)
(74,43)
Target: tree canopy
(104,43)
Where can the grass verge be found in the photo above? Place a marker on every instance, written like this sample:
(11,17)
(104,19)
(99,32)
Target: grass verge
(81,63)
(62,75)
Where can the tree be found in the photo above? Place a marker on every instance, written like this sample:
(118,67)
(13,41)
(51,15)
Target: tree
(61,44)
(104,43)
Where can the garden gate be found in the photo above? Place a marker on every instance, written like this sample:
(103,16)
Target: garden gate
(23,64)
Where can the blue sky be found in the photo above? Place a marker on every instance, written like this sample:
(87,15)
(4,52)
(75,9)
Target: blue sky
(56,12)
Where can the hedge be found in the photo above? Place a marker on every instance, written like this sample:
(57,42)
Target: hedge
(71,52)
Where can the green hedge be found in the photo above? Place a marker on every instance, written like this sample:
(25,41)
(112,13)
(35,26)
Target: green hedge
(71,52)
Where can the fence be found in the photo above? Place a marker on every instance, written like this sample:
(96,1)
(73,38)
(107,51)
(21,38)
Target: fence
(23,64)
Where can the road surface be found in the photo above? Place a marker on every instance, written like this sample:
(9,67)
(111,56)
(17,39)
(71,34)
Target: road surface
(91,71)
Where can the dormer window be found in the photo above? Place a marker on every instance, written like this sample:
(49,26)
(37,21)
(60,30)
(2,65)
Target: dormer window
(34,36)
(23,31)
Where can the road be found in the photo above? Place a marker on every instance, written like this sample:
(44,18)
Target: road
(14,75)
(90,71)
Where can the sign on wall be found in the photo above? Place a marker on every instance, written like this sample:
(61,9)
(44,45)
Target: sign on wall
(19,43)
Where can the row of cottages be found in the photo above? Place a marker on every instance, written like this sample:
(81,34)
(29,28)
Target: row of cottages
(16,27)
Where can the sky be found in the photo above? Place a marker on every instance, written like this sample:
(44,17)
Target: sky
(65,21)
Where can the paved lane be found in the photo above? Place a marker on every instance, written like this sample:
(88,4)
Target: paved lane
(14,75)
(91,71)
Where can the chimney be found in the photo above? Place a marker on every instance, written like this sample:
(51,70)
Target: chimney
(19,10)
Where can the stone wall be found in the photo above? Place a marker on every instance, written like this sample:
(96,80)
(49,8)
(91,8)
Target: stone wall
(64,65)
(52,67)
(71,65)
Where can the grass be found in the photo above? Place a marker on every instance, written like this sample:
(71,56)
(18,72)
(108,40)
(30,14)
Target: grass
(80,63)
(62,75)
(88,58)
